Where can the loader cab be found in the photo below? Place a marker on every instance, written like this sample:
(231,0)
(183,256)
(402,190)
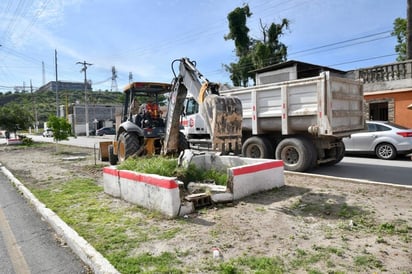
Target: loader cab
(144,97)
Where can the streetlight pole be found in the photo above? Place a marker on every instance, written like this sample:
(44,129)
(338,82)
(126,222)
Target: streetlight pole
(85,64)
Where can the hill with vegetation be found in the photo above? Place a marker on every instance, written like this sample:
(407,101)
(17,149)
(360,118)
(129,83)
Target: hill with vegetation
(44,102)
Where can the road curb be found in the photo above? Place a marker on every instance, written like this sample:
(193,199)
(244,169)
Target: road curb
(346,179)
(78,244)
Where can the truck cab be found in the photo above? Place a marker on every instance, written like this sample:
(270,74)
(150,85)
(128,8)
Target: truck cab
(193,126)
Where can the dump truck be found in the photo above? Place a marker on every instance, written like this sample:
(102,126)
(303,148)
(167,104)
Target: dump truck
(301,122)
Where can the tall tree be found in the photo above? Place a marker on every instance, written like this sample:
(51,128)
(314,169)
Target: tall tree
(239,33)
(253,54)
(400,31)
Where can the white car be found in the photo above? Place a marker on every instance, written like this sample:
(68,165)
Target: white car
(384,139)
(48,132)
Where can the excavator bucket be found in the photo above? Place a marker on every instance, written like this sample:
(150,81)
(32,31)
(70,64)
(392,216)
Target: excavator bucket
(224,115)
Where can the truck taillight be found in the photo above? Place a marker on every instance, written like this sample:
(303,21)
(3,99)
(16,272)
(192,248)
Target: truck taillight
(405,134)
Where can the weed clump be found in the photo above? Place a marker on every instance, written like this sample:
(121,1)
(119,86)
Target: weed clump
(165,166)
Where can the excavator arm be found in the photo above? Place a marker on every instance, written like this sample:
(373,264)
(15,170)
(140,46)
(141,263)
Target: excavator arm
(222,114)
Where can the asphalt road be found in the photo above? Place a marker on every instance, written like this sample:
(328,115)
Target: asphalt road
(28,244)
(365,168)
(82,141)
(398,171)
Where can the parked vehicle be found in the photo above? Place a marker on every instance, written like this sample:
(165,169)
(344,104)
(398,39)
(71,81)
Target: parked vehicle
(301,122)
(106,131)
(384,139)
(48,132)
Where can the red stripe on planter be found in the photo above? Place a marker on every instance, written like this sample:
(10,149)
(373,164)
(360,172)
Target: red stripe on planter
(257,167)
(159,181)
(111,171)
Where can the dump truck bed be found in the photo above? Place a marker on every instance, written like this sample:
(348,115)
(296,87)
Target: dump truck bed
(322,105)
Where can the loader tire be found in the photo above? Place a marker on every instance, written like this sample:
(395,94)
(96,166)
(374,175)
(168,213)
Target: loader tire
(127,145)
(295,154)
(112,157)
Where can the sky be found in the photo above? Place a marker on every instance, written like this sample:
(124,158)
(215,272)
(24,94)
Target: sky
(143,37)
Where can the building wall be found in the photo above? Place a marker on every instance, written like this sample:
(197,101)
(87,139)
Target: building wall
(98,116)
(398,103)
(63,85)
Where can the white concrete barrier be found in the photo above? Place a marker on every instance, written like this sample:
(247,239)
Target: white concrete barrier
(253,178)
(148,190)
(111,181)
(246,176)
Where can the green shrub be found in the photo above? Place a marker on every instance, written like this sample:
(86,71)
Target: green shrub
(165,166)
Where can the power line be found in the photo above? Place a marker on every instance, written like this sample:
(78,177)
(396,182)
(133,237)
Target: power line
(364,59)
(343,42)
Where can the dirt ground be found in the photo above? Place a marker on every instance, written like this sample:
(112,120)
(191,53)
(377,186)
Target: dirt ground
(351,227)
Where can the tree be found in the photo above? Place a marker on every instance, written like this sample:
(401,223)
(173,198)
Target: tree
(253,54)
(270,51)
(400,31)
(239,33)
(61,128)
(14,117)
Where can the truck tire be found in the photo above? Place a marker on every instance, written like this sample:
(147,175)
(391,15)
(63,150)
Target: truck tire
(112,157)
(128,145)
(312,151)
(338,153)
(257,147)
(295,154)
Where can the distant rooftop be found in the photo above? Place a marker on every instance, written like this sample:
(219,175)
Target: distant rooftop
(303,69)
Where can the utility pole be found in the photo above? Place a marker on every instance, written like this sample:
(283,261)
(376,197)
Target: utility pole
(408,30)
(57,84)
(85,64)
(36,123)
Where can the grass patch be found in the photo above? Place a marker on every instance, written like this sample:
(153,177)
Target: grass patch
(165,166)
(304,259)
(116,232)
(249,264)
(145,263)
(367,261)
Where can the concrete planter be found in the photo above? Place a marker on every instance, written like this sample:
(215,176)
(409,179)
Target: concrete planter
(14,141)
(246,176)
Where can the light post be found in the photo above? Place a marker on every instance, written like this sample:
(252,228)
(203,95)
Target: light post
(85,95)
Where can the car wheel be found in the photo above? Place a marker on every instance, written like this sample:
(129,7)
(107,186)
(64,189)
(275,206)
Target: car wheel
(385,151)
